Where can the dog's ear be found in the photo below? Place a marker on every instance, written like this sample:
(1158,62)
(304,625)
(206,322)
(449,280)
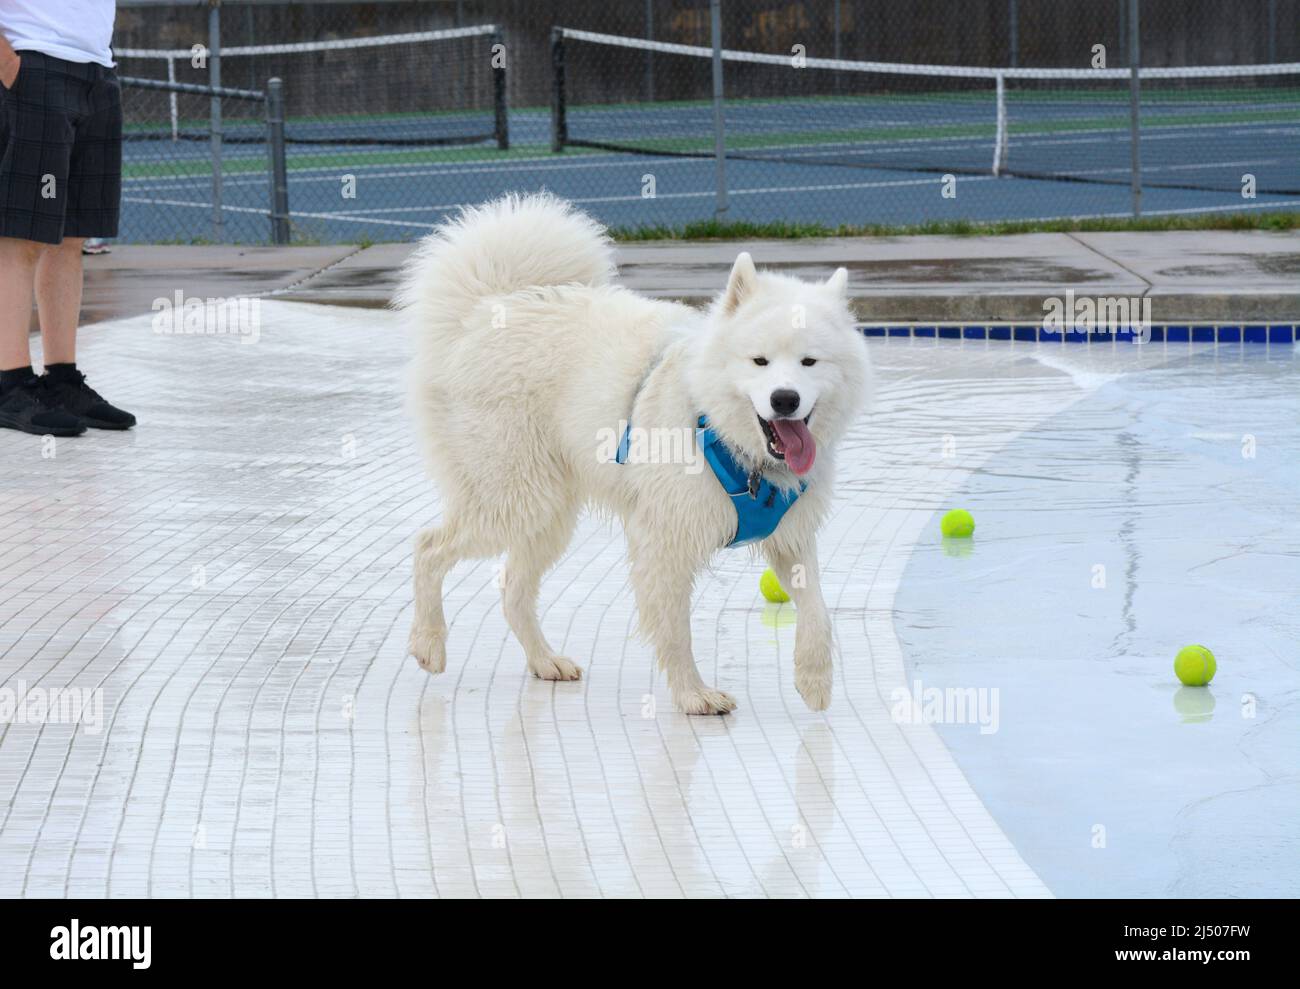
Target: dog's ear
(741,283)
(839,281)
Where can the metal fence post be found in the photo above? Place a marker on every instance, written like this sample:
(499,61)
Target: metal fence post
(171,101)
(279,176)
(502,128)
(214,132)
(719,138)
(1134,99)
(559,127)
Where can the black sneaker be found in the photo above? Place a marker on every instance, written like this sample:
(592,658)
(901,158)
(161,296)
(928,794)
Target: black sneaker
(70,393)
(26,407)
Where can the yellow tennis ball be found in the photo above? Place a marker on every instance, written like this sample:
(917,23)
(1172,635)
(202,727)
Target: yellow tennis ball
(957,523)
(1194,665)
(771,587)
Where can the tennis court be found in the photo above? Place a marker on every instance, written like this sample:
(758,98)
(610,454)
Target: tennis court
(843,142)
(609,184)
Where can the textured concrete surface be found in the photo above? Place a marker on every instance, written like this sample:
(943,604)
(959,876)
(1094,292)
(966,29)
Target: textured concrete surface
(128,279)
(231,581)
(1191,277)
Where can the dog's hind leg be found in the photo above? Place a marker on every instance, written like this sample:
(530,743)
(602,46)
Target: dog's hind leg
(437,550)
(526,564)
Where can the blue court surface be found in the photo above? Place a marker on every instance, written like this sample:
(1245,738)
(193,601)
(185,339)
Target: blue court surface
(885,169)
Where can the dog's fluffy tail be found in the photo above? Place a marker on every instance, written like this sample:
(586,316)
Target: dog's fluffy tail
(500,247)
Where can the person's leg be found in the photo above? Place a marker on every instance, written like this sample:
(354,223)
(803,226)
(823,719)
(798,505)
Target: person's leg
(93,198)
(24,401)
(18,260)
(58,300)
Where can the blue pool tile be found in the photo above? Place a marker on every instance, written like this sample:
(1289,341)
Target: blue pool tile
(1277,333)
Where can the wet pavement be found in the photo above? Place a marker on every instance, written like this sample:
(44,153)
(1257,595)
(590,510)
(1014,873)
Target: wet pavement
(231,581)
(226,589)
(1190,276)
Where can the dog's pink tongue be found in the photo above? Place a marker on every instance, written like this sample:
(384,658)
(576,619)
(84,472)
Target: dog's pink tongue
(800,447)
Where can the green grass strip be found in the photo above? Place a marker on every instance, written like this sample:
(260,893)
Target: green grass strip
(786,230)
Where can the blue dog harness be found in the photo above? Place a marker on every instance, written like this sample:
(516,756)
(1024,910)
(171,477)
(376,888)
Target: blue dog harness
(760,505)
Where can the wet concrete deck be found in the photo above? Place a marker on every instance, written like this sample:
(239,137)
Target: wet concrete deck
(1190,276)
(227,587)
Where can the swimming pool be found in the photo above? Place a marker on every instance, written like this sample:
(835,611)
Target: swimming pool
(1156,510)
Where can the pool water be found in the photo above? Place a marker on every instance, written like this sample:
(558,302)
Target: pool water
(1157,510)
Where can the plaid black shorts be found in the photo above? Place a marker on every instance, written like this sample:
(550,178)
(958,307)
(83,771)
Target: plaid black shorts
(60,150)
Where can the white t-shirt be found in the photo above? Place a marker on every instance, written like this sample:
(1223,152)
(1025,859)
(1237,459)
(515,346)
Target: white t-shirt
(74,30)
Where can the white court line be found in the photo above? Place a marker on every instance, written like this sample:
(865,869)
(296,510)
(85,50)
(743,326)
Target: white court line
(618,160)
(362,216)
(359,216)
(1172,212)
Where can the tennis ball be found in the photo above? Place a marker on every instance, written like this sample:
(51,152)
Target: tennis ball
(1194,665)
(771,587)
(957,523)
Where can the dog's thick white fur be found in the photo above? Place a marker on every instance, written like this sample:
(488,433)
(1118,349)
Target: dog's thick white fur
(527,359)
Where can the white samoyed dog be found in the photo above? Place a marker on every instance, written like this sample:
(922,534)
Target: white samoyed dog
(531,366)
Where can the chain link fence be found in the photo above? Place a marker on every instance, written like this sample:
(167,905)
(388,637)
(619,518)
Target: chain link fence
(835,112)
(375,132)
(180,174)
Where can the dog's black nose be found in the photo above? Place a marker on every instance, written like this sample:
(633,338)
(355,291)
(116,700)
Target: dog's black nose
(785,401)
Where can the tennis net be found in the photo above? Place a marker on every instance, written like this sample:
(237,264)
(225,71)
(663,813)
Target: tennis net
(1200,127)
(419,89)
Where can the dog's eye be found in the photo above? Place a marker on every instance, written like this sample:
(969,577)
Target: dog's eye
(761,361)
(808,361)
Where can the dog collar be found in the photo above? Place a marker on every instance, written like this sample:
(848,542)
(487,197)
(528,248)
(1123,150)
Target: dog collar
(760,505)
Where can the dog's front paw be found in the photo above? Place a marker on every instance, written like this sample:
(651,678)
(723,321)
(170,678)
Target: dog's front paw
(554,668)
(429,649)
(814,686)
(705,700)
(812,667)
